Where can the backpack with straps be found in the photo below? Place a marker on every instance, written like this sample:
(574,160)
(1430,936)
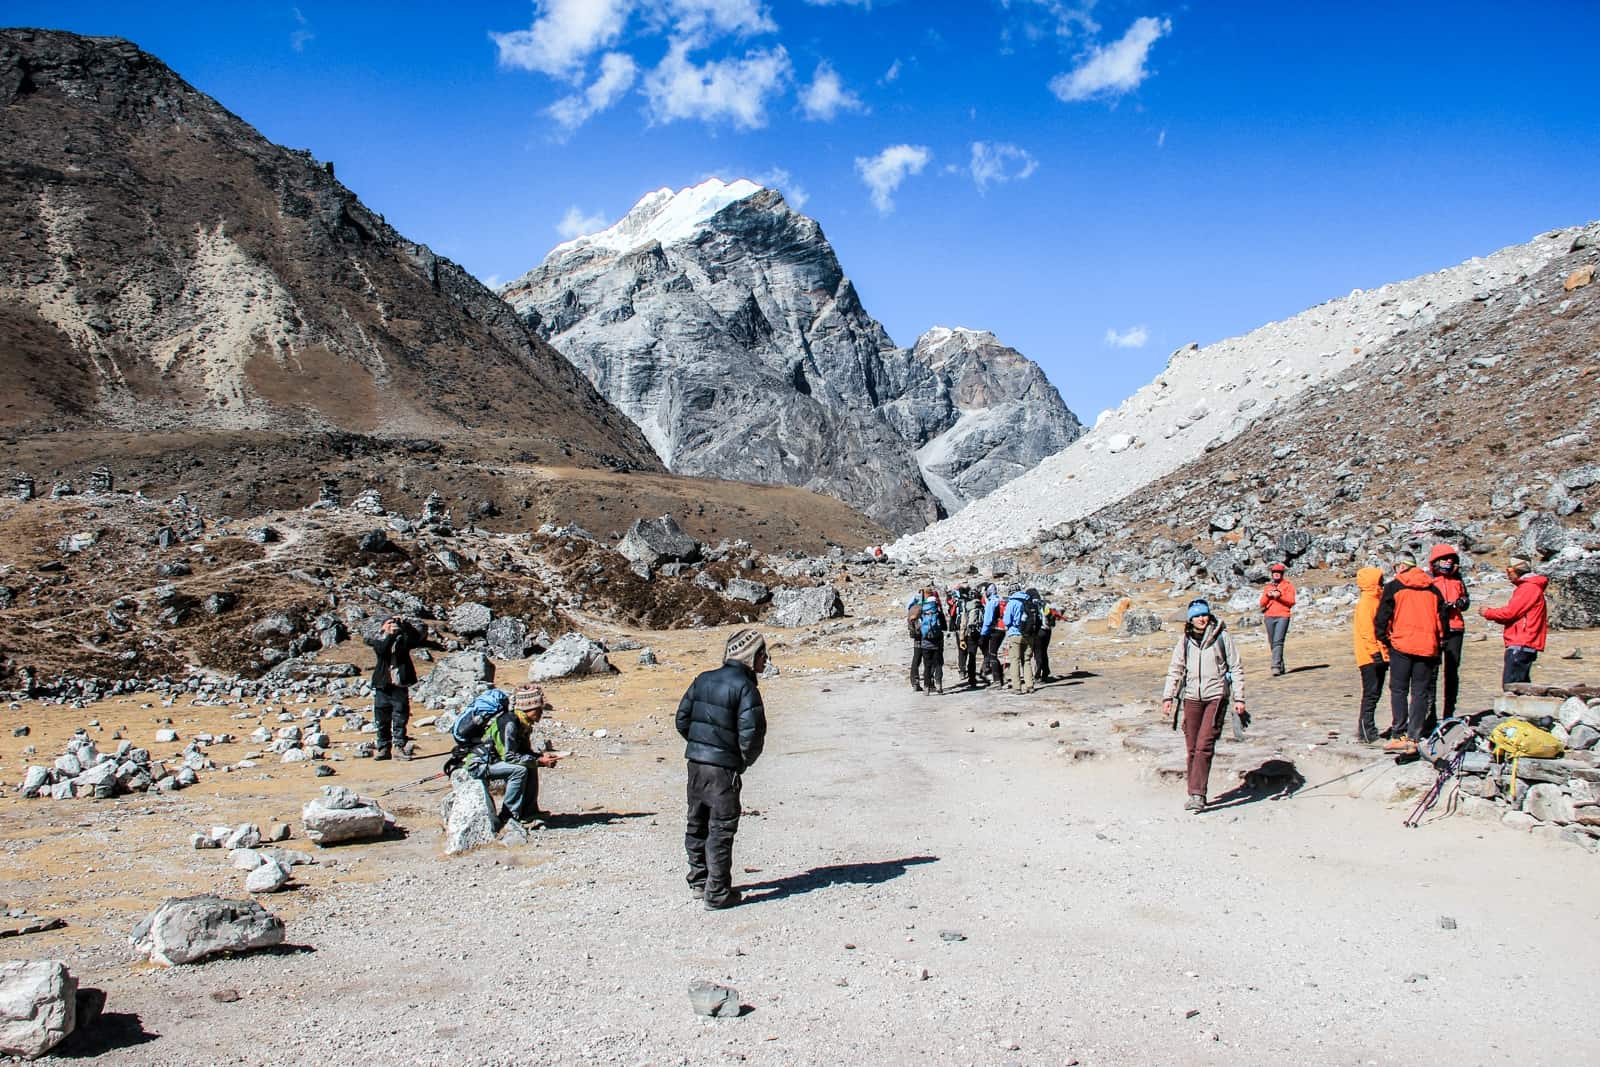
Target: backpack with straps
(930,624)
(468,729)
(1032,620)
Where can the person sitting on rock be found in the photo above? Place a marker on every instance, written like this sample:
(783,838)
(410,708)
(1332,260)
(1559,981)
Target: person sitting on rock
(1205,674)
(494,729)
(392,678)
(1277,604)
(1526,621)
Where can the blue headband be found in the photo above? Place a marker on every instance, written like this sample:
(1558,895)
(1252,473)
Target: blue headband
(1198,607)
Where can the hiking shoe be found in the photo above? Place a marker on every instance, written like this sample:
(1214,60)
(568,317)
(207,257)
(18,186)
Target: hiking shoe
(1399,744)
(381,753)
(403,752)
(1196,803)
(916,688)
(733,898)
(697,890)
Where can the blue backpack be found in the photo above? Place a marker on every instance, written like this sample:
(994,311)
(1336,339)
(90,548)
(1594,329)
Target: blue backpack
(470,724)
(929,624)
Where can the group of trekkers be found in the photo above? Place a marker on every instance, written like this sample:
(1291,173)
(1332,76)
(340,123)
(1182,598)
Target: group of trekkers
(1010,633)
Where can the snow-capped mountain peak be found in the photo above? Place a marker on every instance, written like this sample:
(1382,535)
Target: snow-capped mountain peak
(665,216)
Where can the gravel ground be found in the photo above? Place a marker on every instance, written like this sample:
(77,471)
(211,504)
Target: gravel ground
(1096,922)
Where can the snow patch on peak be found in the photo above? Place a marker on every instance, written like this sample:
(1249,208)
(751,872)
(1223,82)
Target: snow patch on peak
(665,216)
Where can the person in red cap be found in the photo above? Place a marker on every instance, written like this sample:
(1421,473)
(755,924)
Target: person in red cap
(1526,620)
(1444,564)
(1277,604)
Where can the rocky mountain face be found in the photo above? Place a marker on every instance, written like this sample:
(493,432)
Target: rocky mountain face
(1476,429)
(166,268)
(721,322)
(1208,396)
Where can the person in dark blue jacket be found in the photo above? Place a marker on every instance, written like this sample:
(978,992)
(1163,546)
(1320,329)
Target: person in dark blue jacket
(724,723)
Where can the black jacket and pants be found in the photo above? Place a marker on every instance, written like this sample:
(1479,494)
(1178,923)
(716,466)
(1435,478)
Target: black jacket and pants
(392,677)
(722,719)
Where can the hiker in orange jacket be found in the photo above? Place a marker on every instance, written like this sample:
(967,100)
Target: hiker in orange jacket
(1526,621)
(1372,655)
(1277,604)
(1411,621)
(1444,564)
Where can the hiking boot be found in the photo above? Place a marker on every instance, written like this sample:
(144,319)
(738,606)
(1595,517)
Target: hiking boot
(381,753)
(404,751)
(1399,744)
(1196,803)
(733,898)
(697,890)
(915,688)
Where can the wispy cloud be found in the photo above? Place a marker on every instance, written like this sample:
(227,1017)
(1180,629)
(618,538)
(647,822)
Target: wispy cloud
(826,96)
(563,36)
(780,179)
(617,74)
(841,3)
(734,90)
(1114,69)
(892,74)
(884,172)
(1066,18)
(994,163)
(575,223)
(1161,138)
(301,35)
(1132,337)
(706,18)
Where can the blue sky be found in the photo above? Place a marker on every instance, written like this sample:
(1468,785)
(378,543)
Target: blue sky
(1097,183)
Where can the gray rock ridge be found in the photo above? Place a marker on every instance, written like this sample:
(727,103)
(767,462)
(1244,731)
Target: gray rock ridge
(736,342)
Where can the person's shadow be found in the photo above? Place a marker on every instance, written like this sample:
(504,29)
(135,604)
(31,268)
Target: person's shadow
(579,819)
(100,1032)
(1274,779)
(839,874)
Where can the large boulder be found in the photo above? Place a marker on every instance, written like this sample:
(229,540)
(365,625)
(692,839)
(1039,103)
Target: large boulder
(190,929)
(1140,621)
(469,819)
(652,542)
(507,638)
(340,815)
(751,592)
(470,619)
(802,607)
(454,679)
(572,655)
(38,1007)
(1574,593)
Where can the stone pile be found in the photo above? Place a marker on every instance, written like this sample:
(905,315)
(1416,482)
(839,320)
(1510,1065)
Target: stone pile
(84,771)
(340,815)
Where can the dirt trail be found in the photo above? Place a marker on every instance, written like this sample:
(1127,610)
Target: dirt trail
(1101,924)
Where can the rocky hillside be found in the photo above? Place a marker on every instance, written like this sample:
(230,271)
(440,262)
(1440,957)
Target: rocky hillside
(1476,429)
(165,267)
(720,320)
(1208,396)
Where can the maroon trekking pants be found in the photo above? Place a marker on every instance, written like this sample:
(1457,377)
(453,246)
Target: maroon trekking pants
(1202,725)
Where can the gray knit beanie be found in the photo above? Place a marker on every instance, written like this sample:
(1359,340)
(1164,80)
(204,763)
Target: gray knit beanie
(743,648)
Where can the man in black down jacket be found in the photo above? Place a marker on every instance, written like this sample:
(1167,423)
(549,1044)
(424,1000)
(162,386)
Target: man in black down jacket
(725,725)
(392,677)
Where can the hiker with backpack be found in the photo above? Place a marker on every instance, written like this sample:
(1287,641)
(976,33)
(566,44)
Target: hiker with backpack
(1526,621)
(925,620)
(724,726)
(1277,605)
(1444,566)
(1049,615)
(1411,621)
(1372,655)
(992,633)
(493,734)
(1205,675)
(393,675)
(966,622)
(1022,621)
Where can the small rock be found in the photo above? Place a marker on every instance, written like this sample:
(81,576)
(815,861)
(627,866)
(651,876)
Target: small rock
(38,1007)
(952,935)
(270,877)
(711,999)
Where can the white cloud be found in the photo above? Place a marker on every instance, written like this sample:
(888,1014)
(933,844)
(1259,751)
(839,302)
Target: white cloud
(1070,18)
(1132,337)
(884,172)
(781,180)
(575,223)
(1161,138)
(731,89)
(302,34)
(841,3)
(699,18)
(492,281)
(826,96)
(992,163)
(617,74)
(1113,69)
(564,34)
(892,74)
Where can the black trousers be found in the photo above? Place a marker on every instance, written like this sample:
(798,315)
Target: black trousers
(1041,655)
(712,823)
(1372,676)
(1411,682)
(930,660)
(991,656)
(391,711)
(968,664)
(1450,670)
(1518,666)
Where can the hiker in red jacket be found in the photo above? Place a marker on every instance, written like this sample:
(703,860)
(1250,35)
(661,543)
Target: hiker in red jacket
(1525,620)
(1277,604)
(1411,621)
(1444,563)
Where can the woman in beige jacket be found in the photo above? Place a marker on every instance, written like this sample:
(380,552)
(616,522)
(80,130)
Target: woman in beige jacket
(1206,675)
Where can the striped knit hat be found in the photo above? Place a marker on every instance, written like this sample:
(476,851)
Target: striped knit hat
(743,648)
(527,698)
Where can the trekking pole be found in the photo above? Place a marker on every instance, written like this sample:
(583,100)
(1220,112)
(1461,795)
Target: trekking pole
(412,785)
(1429,798)
(1349,774)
